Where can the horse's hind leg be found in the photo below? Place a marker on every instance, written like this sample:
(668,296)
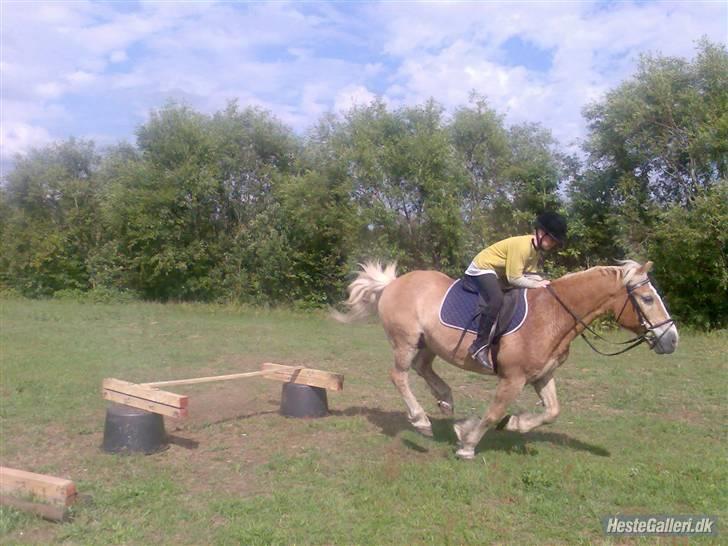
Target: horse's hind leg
(403,357)
(546,389)
(422,364)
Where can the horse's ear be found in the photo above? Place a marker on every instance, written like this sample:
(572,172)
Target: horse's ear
(647,267)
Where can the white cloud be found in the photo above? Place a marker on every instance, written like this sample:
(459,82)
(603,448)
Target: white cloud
(452,49)
(301,60)
(80,77)
(353,95)
(18,137)
(118,56)
(452,73)
(48,90)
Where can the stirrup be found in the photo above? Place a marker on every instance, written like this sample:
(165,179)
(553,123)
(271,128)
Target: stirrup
(481,356)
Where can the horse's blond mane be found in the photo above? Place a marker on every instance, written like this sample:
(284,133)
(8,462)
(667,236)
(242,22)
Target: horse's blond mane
(631,270)
(627,270)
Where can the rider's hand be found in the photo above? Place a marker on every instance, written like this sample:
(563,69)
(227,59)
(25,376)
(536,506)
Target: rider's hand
(544,283)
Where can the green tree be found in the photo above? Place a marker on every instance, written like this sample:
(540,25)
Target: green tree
(513,173)
(690,249)
(660,138)
(163,207)
(406,183)
(667,127)
(593,226)
(656,152)
(51,225)
(532,177)
(251,147)
(188,207)
(254,152)
(481,141)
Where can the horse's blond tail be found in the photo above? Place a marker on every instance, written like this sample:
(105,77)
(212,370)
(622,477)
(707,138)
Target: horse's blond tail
(364,291)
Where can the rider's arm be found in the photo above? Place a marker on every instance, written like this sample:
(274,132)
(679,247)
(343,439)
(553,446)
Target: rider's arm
(519,258)
(526,281)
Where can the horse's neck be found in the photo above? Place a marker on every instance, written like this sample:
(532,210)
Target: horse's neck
(588,294)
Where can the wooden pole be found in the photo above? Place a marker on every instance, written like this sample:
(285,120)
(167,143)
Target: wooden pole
(210,379)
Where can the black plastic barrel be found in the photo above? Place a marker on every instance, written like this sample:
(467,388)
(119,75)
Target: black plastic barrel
(303,401)
(132,430)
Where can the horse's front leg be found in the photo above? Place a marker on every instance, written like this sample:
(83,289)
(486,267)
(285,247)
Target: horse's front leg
(471,431)
(546,389)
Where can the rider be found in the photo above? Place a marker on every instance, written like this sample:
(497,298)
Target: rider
(509,261)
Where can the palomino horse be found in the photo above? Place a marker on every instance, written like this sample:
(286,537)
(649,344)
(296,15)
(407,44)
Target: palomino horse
(408,308)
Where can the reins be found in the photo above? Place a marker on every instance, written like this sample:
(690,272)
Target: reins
(632,343)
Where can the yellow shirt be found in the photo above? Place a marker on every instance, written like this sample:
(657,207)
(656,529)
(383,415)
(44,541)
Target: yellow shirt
(509,258)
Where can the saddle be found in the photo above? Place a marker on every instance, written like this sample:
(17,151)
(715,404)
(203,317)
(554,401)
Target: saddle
(459,310)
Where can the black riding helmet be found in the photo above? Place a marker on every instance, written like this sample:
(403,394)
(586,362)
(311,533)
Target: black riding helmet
(554,224)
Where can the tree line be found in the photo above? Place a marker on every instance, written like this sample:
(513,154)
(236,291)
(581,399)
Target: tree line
(235,206)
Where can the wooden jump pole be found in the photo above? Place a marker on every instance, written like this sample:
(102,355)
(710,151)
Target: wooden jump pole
(210,379)
(146,395)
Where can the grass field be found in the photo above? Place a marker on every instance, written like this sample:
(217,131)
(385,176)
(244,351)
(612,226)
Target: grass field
(638,434)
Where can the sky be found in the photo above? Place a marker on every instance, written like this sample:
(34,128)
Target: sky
(95,70)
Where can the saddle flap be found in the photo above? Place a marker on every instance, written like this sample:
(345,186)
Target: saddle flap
(459,309)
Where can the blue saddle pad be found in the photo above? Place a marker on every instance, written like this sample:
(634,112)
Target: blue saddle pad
(459,306)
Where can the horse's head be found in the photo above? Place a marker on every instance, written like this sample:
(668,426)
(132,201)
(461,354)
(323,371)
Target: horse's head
(642,311)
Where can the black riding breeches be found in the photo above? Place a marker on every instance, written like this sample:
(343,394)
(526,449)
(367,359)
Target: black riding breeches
(491,296)
(490,301)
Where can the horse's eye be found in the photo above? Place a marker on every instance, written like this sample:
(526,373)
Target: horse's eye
(649,300)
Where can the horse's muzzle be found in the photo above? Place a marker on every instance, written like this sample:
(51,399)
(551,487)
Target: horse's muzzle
(664,339)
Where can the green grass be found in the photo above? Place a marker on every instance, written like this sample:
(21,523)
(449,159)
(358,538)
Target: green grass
(638,433)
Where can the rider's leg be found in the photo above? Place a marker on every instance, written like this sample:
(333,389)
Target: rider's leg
(491,300)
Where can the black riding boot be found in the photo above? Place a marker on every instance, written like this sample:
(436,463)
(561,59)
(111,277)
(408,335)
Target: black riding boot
(479,348)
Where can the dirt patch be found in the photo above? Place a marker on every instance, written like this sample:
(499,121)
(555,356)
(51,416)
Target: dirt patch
(235,429)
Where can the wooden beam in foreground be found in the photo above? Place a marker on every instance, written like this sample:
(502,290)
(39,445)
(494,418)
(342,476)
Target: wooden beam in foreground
(304,376)
(145,397)
(47,496)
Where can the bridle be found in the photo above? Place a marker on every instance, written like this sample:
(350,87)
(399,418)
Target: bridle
(649,336)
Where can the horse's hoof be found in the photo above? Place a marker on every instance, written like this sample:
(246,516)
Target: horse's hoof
(445,407)
(503,423)
(465,453)
(425,430)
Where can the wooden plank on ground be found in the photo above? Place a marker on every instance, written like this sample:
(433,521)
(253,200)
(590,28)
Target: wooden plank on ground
(57,491)
(144,397)
(304,376)
(53,512)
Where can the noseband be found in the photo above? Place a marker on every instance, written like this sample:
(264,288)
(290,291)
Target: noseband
(649,336)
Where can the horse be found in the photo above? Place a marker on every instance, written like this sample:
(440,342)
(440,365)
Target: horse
(408,306)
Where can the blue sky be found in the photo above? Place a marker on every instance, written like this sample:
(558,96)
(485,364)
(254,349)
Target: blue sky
(96,69)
